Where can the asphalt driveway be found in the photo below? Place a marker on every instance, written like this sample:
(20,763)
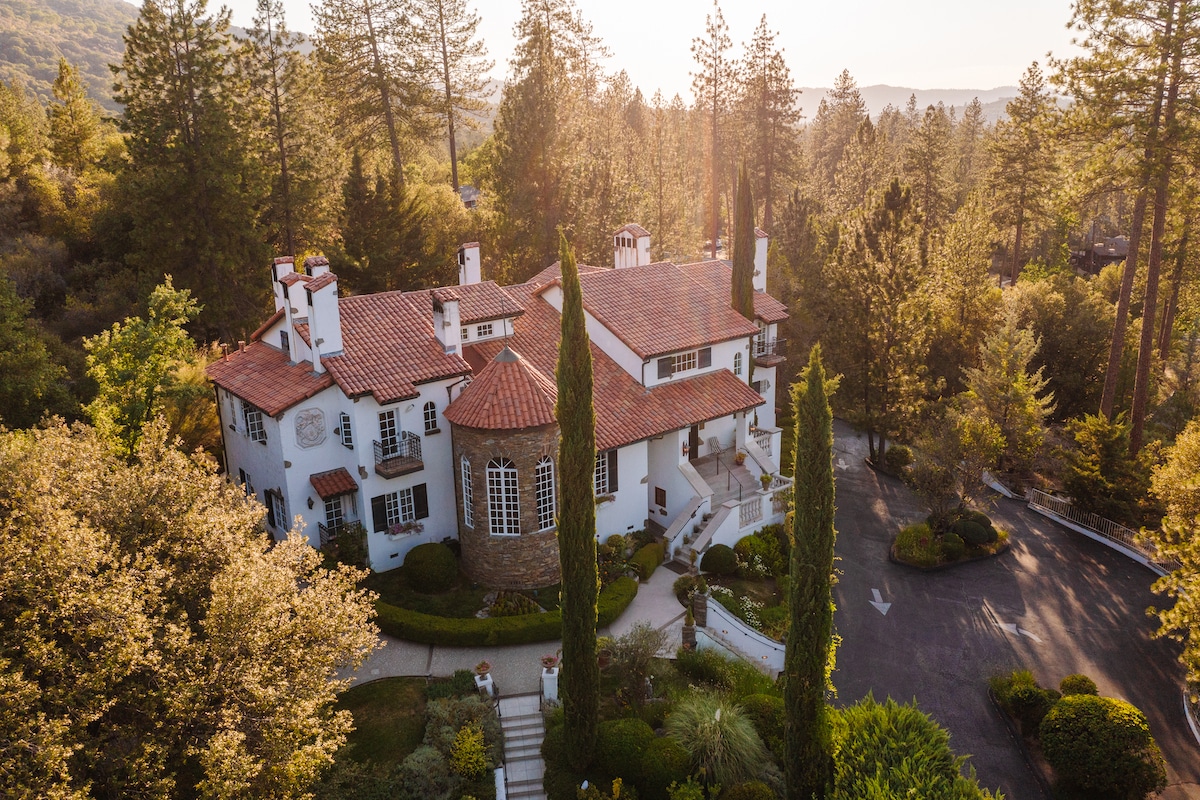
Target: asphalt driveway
(1055,604)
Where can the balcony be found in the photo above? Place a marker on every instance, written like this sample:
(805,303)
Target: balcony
(395,457)
(768,352)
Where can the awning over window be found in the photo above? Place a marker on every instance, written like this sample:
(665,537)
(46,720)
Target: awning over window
(332,483)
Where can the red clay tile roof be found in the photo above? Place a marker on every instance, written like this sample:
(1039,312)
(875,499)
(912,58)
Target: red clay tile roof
(658,309)
(278,315)
(552,272)
(626,412)
(759,233)
(293,277)
(717,275)
(321,281)
(332,483)
(633,228)
(262,376)
(315,261)
(507,394)
(285,260)
(482,302)
(388,347)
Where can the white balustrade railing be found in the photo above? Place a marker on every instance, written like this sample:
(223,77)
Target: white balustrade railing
(1105,529)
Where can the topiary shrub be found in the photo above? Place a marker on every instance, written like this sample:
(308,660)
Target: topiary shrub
(953,547)
(766,712)
(1102,747)
(719,560)
(687,586)
(1078,684)
(647,559)
(620,745)
(751,790)
(430,568)
(973,533)
(896,459)
(662,763)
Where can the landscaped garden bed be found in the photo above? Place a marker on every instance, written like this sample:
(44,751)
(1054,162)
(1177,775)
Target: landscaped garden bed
(944,540)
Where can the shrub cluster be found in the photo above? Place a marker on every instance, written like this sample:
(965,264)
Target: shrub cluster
(512,604)
(760,555)
(430,568)
(896,459)
(460,684)
(719,559)
(414,626)
(647,559)
(463,741)
(1099,747)
(946,538)
(687,586)
(626,749)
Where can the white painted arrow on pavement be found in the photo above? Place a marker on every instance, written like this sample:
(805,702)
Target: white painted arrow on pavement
(841,464)
(1015,631)
(881,606)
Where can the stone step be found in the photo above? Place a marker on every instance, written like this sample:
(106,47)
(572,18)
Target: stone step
(521,752)
(522,742)
(521,720)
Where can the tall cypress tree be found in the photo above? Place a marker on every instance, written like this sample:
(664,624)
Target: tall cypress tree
(577,520)
(743,249)
(809,653)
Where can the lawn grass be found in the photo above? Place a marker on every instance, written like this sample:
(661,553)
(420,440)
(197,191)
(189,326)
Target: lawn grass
(389,720)
(461,602)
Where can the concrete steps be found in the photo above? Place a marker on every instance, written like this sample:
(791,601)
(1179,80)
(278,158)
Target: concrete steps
(523,726)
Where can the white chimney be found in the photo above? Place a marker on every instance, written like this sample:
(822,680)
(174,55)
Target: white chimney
(760,260)
(631,247)
(447,323)
(316,266)
(324,319)
(279,268)
(468,264)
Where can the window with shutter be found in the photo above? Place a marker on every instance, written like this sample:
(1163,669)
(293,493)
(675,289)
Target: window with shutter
(704,357)
(665,366)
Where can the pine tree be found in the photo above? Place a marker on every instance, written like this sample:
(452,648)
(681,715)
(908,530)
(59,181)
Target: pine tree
(374,58)
(713,86)
(1023,167)
(742,282)
(577,521)
(809,654)
(74,122)
(460,64)
(926,168)
(191,202)
(834,127)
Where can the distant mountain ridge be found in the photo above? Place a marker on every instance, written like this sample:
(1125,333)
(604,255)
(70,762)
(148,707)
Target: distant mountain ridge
(879,96)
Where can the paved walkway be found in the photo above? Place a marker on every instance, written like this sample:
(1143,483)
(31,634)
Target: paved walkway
(516,669)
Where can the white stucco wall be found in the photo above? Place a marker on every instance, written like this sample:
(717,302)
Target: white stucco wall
(626,512)
(722,358)
(262,462)
(601,336)
(665,456)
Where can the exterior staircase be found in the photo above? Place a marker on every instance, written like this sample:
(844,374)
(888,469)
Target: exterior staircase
(524,729)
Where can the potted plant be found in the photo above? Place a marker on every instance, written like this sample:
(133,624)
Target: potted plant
(739,457)
(766,480)
(483,668)
(549,662)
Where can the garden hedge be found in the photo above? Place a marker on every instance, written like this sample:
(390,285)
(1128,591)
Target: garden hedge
(413,626)
(647,559)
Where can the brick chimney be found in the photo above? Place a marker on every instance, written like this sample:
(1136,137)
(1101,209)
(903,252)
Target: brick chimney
(447,323)
(324,319)
(760,260)
(469,270)
(631,247)
(279,268)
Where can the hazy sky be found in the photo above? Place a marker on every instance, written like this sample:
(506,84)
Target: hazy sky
(923,44)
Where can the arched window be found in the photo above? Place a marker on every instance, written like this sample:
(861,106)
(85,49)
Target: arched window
(544,492)
(431,423)
(468,495)
(504,513)
(737,363)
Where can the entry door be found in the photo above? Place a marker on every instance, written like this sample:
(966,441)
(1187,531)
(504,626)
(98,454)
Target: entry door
(694,443)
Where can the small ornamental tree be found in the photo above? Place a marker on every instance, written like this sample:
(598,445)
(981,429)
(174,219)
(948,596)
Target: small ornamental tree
(809,654)
(577,521)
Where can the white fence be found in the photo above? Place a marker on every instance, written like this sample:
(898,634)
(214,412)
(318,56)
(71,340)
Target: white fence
(1105,531)
(762,651)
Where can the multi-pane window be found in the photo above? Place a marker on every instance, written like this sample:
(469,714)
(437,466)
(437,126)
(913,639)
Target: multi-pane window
(335,516)
(345,431)
(685,361)
(737,363)
(465,332)
(544,493)
(395,509)
(388,433)
(483,330)
(252,419)
(247,484)
(504,514)
(276,514)
(605,477)
(431,421)
(468,495)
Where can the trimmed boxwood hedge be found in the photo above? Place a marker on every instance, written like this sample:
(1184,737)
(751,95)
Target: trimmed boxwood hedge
(413,626)
(647,559)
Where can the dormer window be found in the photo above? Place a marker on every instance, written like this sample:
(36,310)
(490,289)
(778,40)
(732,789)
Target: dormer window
(686,361)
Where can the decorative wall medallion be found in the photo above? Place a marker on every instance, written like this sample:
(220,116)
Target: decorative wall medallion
(310,427)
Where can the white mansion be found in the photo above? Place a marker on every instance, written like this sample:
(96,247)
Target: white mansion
(430,414)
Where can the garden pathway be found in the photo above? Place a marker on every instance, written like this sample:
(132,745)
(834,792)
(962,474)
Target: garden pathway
(524,729)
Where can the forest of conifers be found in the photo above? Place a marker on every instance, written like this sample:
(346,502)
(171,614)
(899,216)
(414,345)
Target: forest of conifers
(945,262)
